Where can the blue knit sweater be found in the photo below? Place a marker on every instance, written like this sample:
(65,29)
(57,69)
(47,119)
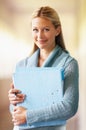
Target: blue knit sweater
(58,113)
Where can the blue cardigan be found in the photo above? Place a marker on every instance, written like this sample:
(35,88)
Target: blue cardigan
(58,113)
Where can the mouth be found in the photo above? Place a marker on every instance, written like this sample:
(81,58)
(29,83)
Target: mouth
(42,41)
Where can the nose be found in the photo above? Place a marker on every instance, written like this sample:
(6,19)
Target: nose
(40,34)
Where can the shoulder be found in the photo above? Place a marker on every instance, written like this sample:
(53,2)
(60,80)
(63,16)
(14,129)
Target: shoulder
(71,66)
(22,62)
(29,61)
(68,59)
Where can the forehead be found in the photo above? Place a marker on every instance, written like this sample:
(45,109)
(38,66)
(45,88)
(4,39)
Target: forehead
(38,21)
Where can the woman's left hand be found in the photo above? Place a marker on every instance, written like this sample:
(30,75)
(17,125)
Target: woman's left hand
(19,115)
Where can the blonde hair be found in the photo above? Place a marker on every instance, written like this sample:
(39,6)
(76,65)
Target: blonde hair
(50,14)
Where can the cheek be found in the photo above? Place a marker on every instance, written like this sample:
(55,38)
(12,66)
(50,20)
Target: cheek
(52,34)
(34,36)
(52,37)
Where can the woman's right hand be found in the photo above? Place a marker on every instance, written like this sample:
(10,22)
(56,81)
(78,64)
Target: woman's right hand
(15,96)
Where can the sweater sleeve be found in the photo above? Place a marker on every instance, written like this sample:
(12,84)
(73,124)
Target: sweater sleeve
(69,104)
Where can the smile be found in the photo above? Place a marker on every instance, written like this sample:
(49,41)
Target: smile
(42,41)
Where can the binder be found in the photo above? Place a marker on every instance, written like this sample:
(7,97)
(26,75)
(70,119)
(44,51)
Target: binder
(43,86)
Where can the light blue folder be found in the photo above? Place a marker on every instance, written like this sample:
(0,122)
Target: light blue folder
(43,86)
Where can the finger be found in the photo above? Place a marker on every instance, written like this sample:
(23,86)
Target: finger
(11,95)
(15,116)
(18,121)
(20,96)
(13,102)
(15,96)
(13,91)
(15,99)
(15,121)
(17,110)
(12,85)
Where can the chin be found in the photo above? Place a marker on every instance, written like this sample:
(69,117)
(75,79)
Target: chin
(42,46)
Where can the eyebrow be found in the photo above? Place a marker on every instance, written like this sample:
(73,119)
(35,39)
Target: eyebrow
(42,27)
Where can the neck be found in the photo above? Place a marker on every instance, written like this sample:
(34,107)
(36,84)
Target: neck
(45,52)
(43,55)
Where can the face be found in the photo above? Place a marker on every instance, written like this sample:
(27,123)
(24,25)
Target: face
(44,33)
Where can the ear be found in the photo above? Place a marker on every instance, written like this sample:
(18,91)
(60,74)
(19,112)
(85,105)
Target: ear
(58,30)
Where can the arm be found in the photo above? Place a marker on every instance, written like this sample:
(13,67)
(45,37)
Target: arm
(67,107)
(18,113)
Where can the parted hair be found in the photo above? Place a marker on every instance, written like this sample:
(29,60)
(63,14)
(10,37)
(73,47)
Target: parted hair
(49,13)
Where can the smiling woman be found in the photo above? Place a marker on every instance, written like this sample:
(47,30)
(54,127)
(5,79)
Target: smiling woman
(44,33)
(49,51)
(15,14)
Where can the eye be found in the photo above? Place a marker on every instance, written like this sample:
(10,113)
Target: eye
(35,30)
(46,29)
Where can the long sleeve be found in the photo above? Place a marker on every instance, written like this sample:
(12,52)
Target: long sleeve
(68,106)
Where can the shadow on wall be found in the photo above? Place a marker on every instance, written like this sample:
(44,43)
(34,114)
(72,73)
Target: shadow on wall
(5,116)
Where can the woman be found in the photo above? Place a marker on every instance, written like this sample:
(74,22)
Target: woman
(48,51)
